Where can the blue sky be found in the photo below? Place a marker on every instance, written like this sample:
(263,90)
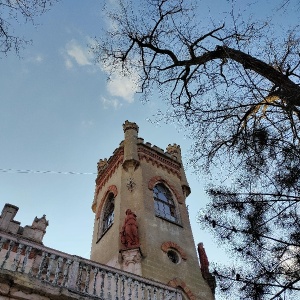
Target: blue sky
(59,113)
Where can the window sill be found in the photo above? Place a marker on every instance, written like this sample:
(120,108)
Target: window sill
(103,234)
(170,221)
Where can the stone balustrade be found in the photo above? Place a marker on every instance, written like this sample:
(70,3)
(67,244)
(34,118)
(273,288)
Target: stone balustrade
(82,277)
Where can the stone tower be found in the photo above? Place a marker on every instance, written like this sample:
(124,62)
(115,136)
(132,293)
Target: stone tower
(141,219)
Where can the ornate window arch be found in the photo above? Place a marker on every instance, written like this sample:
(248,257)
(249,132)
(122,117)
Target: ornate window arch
(164,204)
(107,216)
(108,212)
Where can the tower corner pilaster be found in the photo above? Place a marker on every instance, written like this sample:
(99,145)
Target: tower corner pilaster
(131,158)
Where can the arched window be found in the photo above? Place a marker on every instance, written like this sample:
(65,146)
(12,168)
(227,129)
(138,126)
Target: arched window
(108,213)
(164,203)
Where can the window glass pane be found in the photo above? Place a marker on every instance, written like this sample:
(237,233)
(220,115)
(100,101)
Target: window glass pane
(108,214)
(163,203)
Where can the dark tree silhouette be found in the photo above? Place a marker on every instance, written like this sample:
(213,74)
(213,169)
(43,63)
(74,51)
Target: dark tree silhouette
(236,89)
(16,12)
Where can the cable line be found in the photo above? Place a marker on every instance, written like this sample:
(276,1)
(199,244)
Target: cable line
(44,172)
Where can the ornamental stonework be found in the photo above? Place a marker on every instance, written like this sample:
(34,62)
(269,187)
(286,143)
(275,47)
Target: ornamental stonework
(161,161)
(171,245)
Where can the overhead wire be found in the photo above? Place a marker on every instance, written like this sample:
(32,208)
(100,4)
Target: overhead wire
(19,171)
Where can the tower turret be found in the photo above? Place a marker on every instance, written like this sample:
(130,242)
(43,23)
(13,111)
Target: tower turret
(141,219)
(131,158)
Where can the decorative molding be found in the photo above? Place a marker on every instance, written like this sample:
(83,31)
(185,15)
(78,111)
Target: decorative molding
(132,261)
(177,282)
(105,175)
(130,184)
(160,161)
(156,179)
(111,189)
(171,245)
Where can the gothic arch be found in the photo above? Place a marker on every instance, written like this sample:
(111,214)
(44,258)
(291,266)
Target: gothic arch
(111,189)
(157,179)
(177,282)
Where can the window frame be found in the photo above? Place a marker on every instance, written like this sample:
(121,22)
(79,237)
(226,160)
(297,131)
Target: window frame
(169,203)
(106,214)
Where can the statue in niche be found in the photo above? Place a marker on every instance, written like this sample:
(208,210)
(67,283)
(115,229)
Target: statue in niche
(129,234)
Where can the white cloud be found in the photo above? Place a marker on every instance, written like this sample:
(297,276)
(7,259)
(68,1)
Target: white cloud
(113,102)
(123,87)
(68,63)
(120,85)
(78,53)
(39,58)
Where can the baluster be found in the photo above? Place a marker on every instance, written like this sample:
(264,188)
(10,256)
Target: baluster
(25,259)
(168,295)
(58,270)
(136,290)
(16,262)
(78,282)
(160,294)
(116,287)
(66,272)
(149,292)
(123,287)
(178,295)
(129,284)
(154,293)
(95,270)
(109,276)
(102,284)
(143,291)
(42,265)
(49,267)
(11,244)
(87,279)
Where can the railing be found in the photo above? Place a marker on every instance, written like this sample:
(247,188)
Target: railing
(77,274)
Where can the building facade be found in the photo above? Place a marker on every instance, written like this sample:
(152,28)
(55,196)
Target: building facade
(142,246)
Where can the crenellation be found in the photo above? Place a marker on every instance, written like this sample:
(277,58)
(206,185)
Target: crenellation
(35,232)
(7,222)
(154,147)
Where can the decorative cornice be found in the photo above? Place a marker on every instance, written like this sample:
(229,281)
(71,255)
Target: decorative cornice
(159,160)
(156,179)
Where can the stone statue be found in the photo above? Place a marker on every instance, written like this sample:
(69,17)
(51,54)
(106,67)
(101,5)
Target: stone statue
(129,234)
(203,261)
(204,266)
